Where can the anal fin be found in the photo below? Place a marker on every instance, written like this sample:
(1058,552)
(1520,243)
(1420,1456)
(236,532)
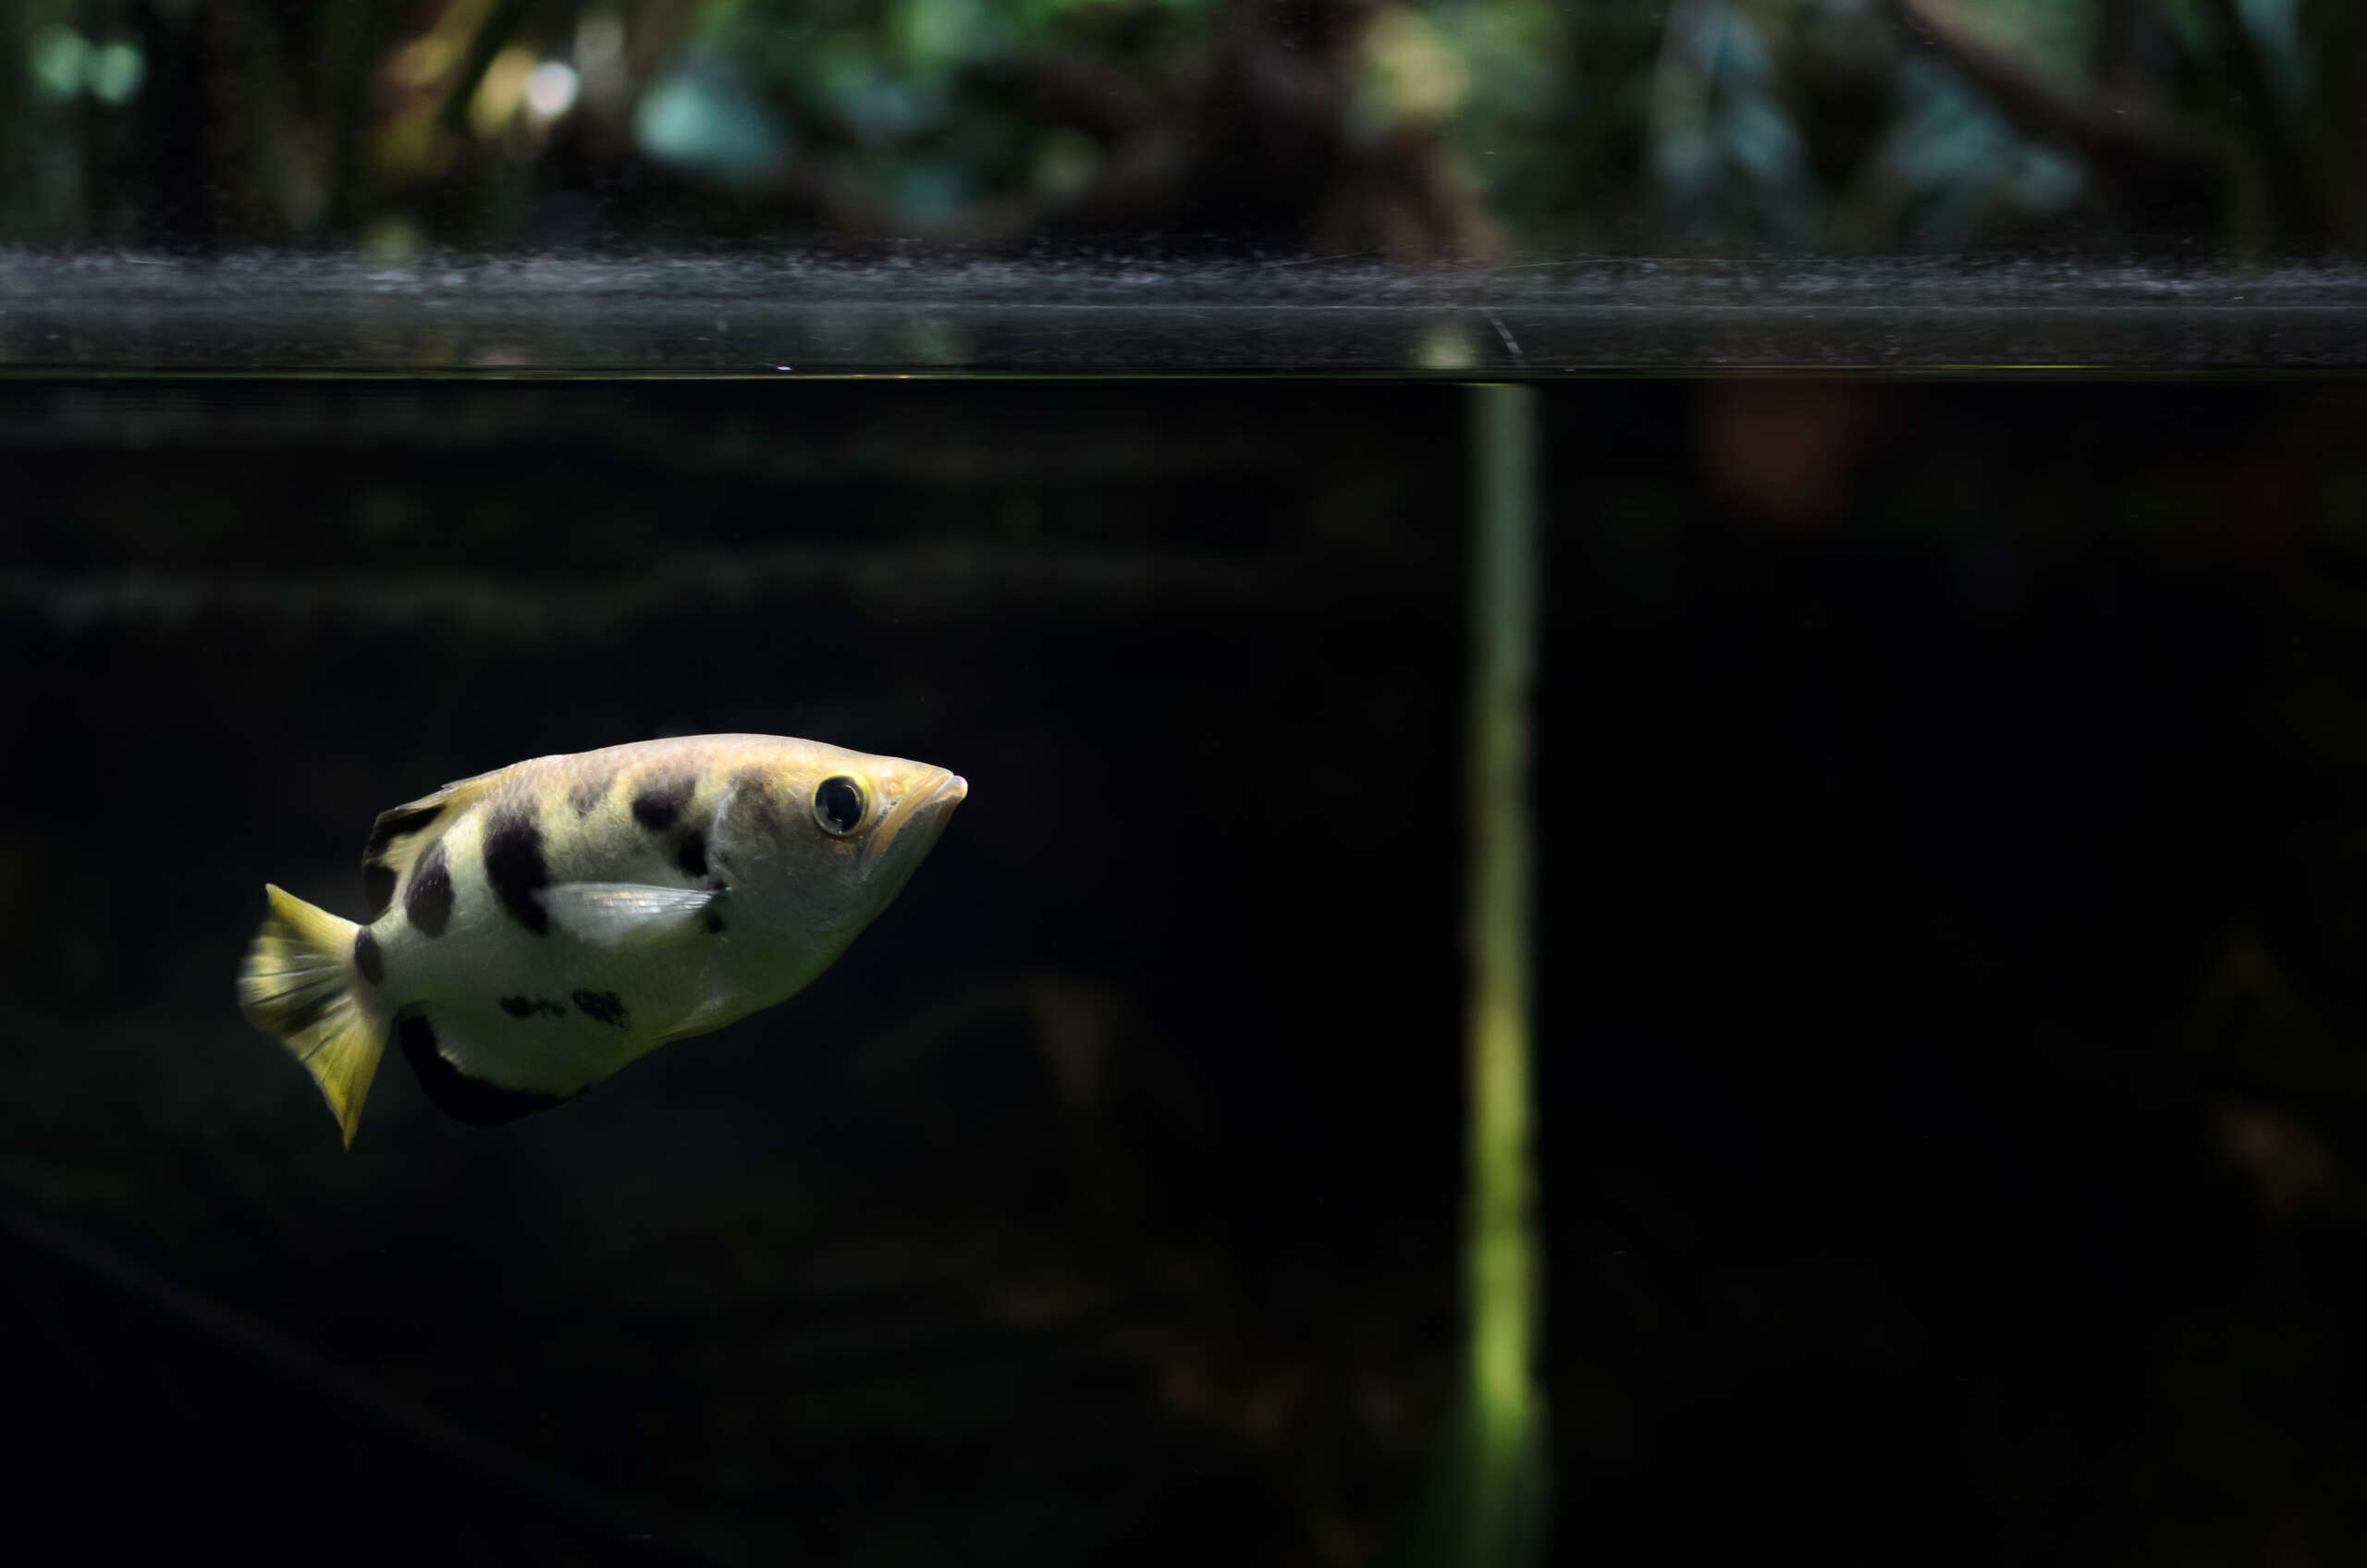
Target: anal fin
(451,1089)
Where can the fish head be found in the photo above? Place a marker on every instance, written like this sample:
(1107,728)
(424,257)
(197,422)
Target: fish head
(813,841)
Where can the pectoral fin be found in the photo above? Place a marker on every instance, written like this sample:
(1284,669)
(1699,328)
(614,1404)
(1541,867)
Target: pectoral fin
(615,915)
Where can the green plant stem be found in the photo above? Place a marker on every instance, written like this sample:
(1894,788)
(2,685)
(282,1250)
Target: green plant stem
(1504,1408)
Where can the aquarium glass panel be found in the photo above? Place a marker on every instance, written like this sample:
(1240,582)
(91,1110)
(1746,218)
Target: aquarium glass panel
(1440,187)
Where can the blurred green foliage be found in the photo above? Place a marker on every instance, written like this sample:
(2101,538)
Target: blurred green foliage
(1420,127)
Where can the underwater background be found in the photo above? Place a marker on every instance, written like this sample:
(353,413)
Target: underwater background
(1948,973)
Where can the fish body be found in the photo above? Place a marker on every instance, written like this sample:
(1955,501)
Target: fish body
(533,929)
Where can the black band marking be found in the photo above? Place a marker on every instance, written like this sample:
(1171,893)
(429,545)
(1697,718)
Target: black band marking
(513,863)
(690,854)
(369,958)
(754,803)
(427,902)
(660,806)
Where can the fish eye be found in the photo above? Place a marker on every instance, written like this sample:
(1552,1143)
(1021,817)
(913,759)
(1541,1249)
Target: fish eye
(840,801)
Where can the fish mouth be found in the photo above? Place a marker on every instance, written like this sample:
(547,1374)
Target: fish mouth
(926,814)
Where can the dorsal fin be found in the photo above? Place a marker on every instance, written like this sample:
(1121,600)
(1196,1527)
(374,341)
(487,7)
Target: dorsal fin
(402,833)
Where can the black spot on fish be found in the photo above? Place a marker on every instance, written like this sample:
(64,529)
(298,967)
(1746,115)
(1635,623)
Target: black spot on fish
(369,958)
(660,806)
(712,918)
(377,888)
(753,802)
(601,1007)
(513,863)
(397,824)
(526,1007)
(456,1094)
(588,794)
(690,854)
(427,902)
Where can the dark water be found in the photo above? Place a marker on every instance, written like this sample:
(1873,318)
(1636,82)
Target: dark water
(1953,962)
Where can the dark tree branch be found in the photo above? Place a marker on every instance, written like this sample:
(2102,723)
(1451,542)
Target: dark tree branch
(2282,168)
(2112,127)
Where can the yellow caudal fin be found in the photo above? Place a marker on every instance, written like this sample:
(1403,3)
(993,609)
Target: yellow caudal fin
(299,986)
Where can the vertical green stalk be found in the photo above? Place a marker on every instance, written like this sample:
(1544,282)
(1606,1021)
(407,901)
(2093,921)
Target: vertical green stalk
(1504,1465)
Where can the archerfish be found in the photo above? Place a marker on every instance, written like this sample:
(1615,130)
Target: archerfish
(534,928)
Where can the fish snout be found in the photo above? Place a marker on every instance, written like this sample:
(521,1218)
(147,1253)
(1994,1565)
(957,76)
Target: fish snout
(919,817)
